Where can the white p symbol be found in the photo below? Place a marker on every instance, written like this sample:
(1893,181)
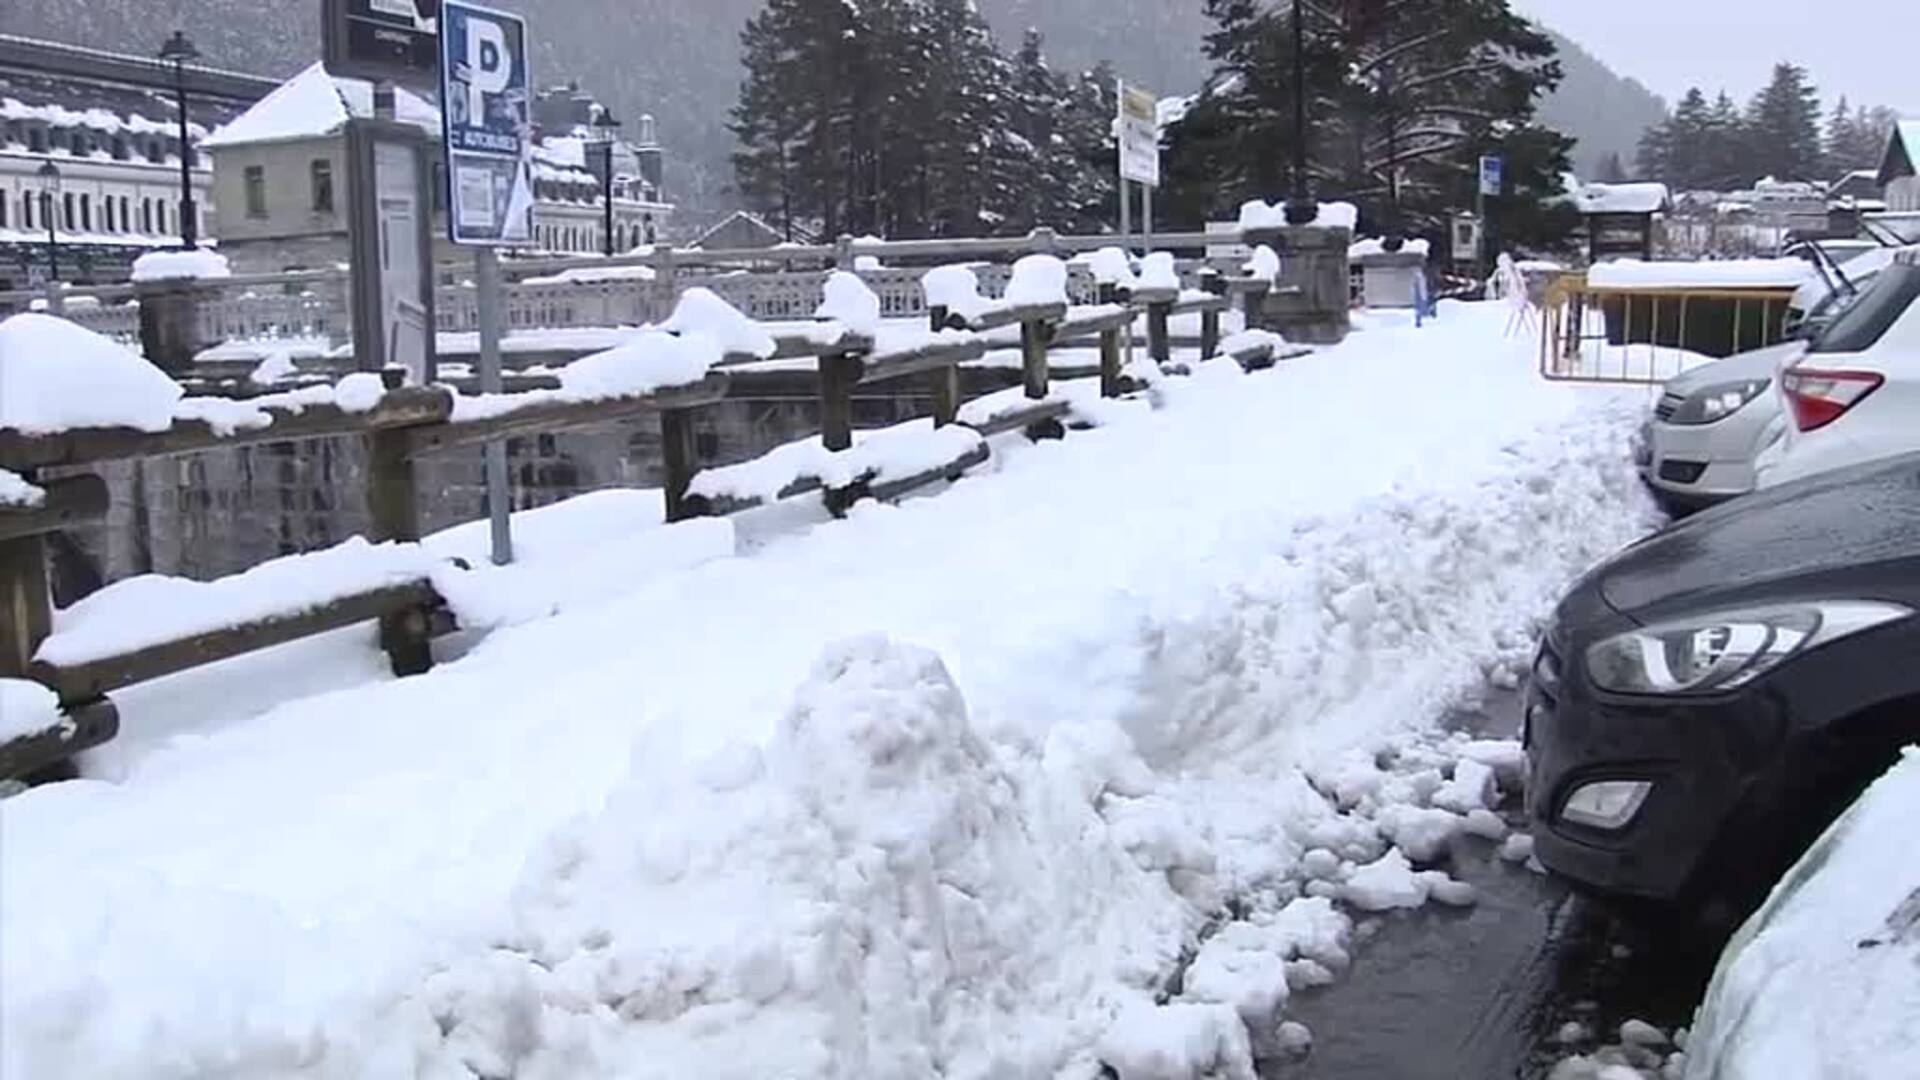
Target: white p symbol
(488,67)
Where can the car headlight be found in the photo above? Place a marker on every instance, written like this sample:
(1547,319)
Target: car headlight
(1719,401)
(1727,649)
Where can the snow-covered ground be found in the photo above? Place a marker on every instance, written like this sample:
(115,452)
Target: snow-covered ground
(957,785)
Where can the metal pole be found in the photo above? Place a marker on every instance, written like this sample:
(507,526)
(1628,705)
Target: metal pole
(53,238)
(189,226)
(1126,216)
(1480,238)
(1299,106)
(1146,218)
(486,276)
(606,238)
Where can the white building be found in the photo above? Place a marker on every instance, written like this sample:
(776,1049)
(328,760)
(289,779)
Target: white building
(1900,168)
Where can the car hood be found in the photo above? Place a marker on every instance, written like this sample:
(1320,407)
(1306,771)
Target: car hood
(1756,364)
(1842,523)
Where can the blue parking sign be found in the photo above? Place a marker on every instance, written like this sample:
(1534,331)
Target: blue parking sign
(486,113)
(1490,176)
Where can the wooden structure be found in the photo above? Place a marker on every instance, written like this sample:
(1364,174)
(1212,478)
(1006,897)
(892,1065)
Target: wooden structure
(409,423)
(1646,335)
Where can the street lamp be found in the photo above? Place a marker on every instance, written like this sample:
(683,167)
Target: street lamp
(1301,209)
(178,51)
(49,174)
(605,128)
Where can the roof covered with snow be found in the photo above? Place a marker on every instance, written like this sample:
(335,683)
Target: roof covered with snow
(314,104)
(1903,152)
(1644,198)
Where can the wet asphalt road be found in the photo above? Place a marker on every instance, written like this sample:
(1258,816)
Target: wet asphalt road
(1481,993)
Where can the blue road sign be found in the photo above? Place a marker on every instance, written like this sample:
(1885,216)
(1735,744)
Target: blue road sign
(1490,176)
(486,107)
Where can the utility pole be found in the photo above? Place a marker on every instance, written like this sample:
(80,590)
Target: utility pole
(178,51)
(1301,209)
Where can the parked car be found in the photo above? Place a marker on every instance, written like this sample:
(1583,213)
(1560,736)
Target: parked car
(1855,395)
(1712,423)
(1824,981)
(1706,701)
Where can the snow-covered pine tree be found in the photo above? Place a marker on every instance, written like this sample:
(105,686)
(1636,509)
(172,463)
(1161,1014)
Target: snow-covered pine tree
(1783,126)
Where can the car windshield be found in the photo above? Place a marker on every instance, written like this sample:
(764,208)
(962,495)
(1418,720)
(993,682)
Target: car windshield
(1859,326)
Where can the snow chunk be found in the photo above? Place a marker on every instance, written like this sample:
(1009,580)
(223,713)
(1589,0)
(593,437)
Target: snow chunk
(1723,273)
(1386,883)
(1177,1042)
(1261,215)
(26,708)
(1037,279)
(55,375)
(1422,832)
(1517,849)
(1486,824)
(648,362)
(1157,271)
(1504,756)
(1110,266)
(359,392)
(1263,265)
(1642,198)
(1472,788)
(16,491)
(956,288)
(1636,1032)
(181,265)
(877,455)
(1374,245)
(701,311)
(151,609)
(1249,341)
(272,368)
(850,303)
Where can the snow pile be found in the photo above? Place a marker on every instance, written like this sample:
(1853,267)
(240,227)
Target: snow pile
(26,708)
(151,609)
(359,392)
(198,263)
(1263,215)
(701,311)
(584,275)
(1110,266)
(1253,966)
(1251,341)
(16,491)
(863,264)
(1037,279)
(647,361)
(1641,1052)
(276,366)
(1723,273)
(55,375)
(1157,272)
(956,288)
(850,302)
(1263,265)
(1375,246)
(1641,198)
(877,455)
(620,842)
(1821,981)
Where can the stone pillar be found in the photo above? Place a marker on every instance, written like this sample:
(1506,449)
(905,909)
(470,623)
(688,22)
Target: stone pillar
(1309,303)
(170,324)
(1389,277)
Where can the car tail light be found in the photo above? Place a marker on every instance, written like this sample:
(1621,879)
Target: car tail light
(1819,398)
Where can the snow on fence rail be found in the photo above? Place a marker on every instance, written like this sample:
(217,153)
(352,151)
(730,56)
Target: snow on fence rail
(655,373)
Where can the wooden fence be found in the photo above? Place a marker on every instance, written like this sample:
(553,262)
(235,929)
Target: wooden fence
(409,423)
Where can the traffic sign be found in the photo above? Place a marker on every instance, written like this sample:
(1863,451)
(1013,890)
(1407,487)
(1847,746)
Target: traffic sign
(1490,169)
(381,40)
(1139,136)
(486,110)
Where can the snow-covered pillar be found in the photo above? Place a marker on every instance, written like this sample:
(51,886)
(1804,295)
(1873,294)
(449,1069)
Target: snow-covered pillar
(1388,277)
(170,323)
(1310,301)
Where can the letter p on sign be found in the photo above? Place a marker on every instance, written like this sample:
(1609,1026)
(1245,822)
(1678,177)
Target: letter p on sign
(488,66)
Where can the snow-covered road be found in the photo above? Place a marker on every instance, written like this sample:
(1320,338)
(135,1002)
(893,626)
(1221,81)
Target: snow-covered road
(950,785)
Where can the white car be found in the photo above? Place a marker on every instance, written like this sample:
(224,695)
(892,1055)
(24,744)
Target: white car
(1855,395)
(1710,424)
(1824,980)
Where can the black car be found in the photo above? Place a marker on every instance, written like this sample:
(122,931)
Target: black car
(1707,701)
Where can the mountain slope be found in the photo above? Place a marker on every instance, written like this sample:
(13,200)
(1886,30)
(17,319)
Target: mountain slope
(1605,111)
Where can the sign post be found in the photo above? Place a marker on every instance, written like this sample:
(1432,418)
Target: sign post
(486,111)
(1490,169)
(1139,154)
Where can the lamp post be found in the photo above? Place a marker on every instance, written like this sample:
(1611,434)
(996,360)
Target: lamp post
(1301,209)
(178,51)
(605,127)
(49,174)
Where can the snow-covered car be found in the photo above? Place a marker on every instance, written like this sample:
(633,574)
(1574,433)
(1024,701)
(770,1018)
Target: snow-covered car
(1855,395)
(1824,980)
(1710,423)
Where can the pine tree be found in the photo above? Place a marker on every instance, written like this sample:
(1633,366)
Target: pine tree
(1727,149)
(1783,126)
(1841,139)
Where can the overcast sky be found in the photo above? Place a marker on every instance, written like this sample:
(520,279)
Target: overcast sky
(1866,49)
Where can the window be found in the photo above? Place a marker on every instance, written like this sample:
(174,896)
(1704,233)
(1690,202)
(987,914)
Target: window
(146,215)
(26,210)
(256,181)
(153,151)
(120,148)
(66,211)
(86,213)
(322,172)
(126,215)
(1859,327)
(37,140)
(3,213)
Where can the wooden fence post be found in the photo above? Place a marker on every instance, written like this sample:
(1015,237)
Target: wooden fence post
(1212,282)
(1159,340)
(26,605)
(681,456)
(837,374)
(393,504)
(1033,357)
(946,380)
(1110,385)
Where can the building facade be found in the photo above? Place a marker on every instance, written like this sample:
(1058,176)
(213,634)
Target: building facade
(108,125)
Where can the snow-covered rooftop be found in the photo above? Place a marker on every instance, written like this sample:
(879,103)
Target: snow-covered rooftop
(1642,198)
(1903,152)
(314,104)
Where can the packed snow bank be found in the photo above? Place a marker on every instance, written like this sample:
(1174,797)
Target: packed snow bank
(1724,273)
(180,265)
(55,375)
(1821,981)
(712,824)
